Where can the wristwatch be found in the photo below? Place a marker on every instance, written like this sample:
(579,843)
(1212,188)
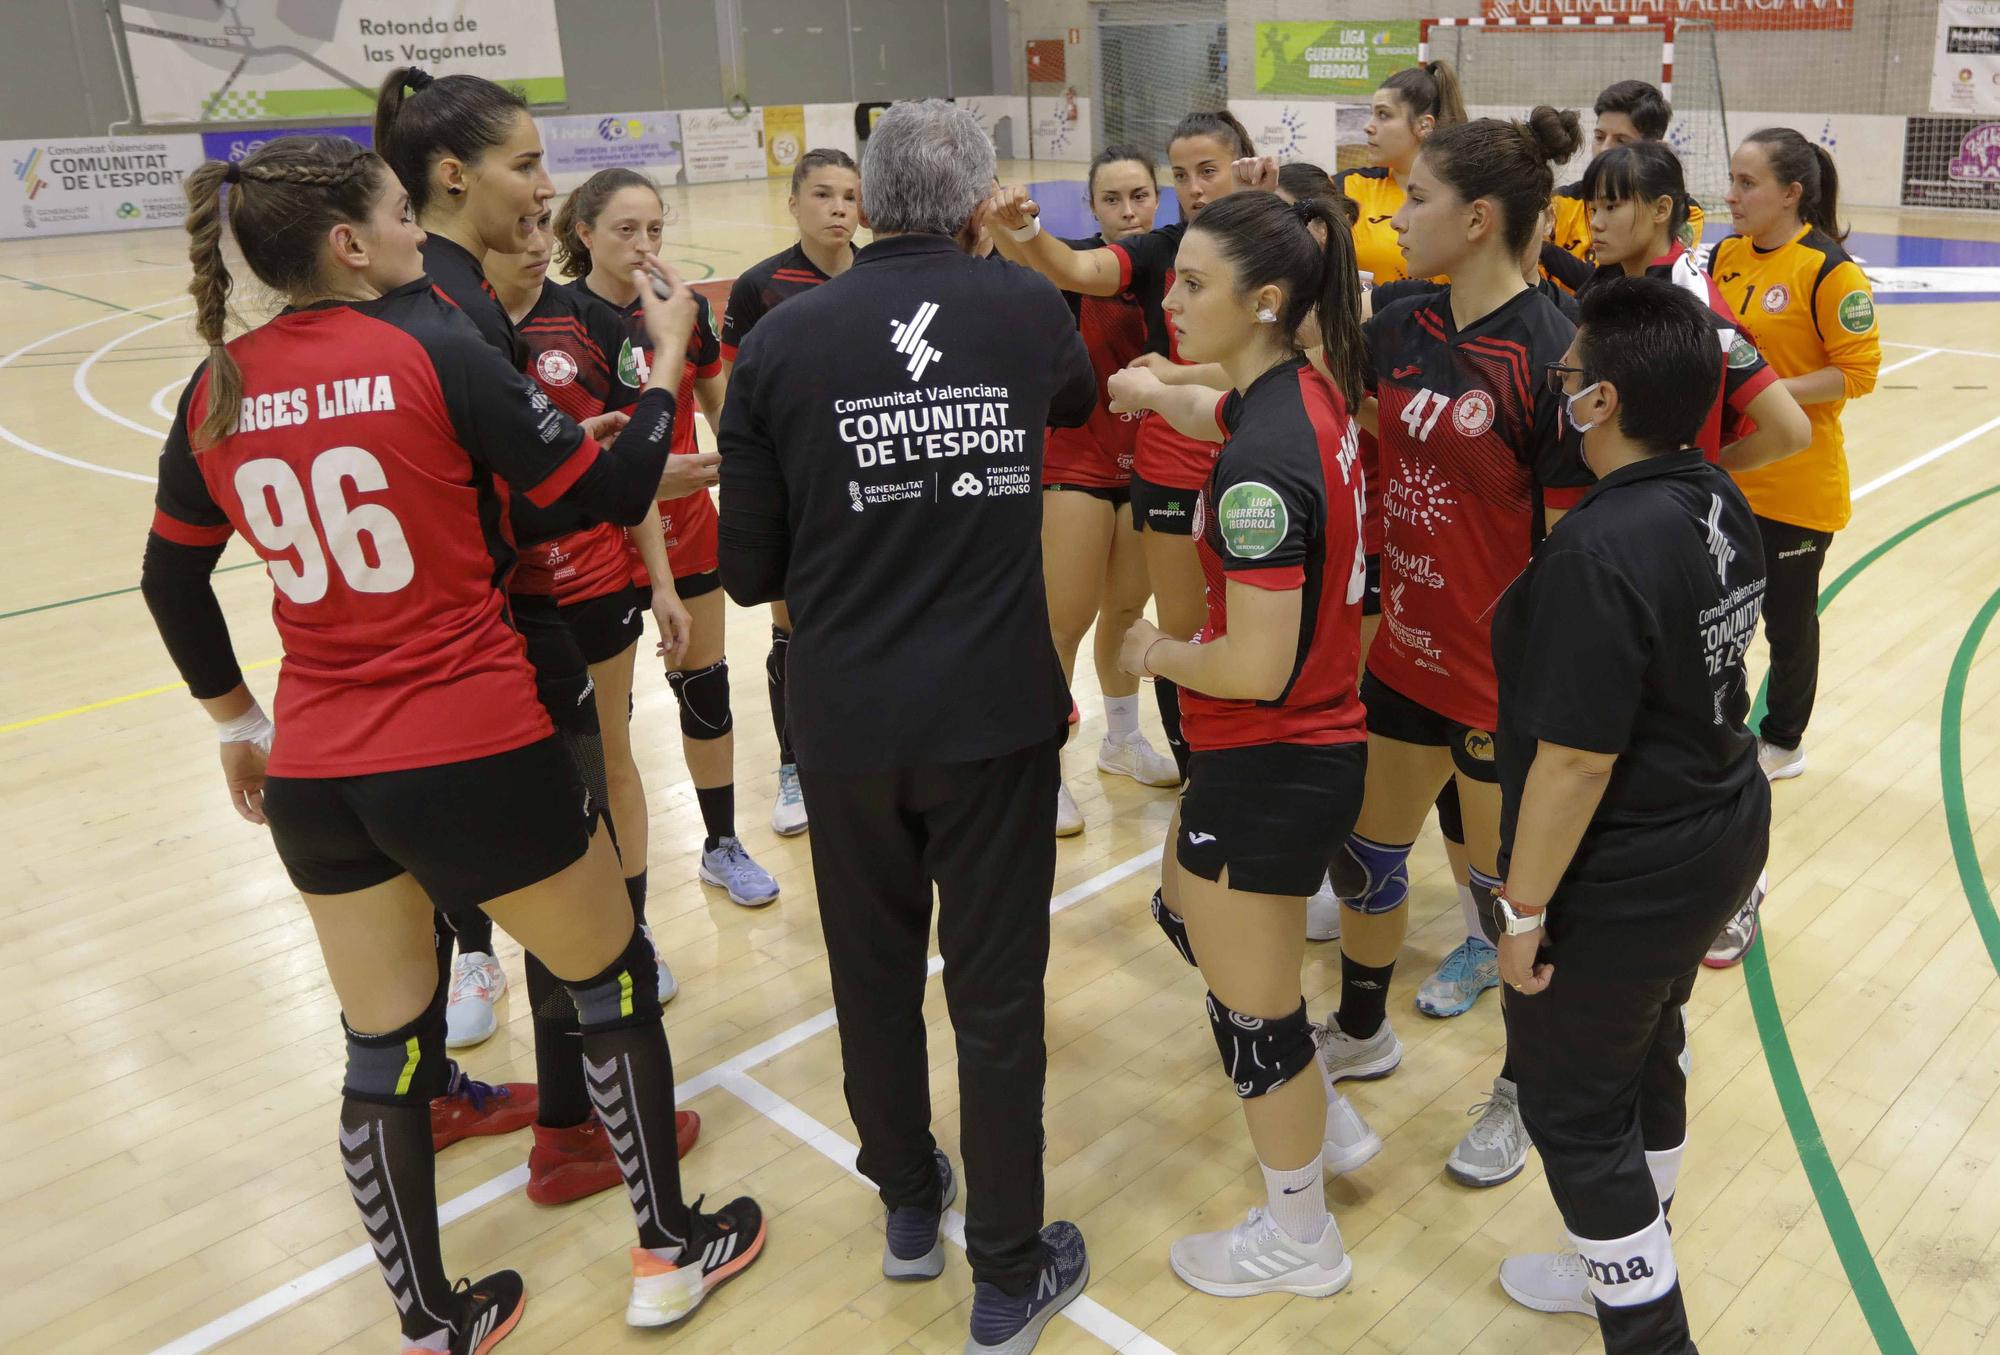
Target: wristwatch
(1514,921)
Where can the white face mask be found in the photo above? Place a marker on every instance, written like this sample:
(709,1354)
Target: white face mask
(1569,407)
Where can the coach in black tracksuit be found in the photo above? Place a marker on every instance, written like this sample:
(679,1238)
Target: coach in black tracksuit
(1634,817)
(881,474)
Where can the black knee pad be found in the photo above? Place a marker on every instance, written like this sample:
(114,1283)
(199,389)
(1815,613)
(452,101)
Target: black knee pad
(1174,926)
(625,994)
(1451,820)
(704,698)
(1261,1054)
(405,1067)
(548,1000)
(774,662)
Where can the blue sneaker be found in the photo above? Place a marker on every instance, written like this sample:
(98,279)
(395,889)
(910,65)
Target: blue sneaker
(913,1249)
(730,867)
(1004,1324)
(1460,978)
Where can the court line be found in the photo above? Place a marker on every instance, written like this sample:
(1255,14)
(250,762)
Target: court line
(80,382)
(109,701)
(35,449)
(1907,362)
(1951,770)
(1919,462)
(1083,1310)
(1955,352)
(353,1262)
(35,286)
(158,404)
(109,593)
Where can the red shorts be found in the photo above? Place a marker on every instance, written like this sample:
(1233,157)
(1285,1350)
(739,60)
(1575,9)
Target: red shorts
(690,524)
(592,563)
(1081,456)
(1164,457)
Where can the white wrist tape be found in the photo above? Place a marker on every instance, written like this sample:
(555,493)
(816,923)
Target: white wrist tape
(1026,233)
(252,726)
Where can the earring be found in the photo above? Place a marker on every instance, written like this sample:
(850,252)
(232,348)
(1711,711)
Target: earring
(454,190)
(1266,316)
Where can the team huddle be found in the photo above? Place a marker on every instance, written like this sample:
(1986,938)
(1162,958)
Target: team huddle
(1455,493)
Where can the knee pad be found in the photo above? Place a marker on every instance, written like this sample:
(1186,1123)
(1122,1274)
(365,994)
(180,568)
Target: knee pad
(1371,877)
(549,1002)
(627,993)
(704,698)
(1451,820)
(405,1067)
(1484,890)
(1174,926)
(1261,1054)
(774,662)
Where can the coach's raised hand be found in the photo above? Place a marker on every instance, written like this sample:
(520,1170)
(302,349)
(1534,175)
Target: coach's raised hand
(670,308)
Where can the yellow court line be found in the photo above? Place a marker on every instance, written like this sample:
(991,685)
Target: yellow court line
(117,700)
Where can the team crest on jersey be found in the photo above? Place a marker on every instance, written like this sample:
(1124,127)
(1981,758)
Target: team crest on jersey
(633,367)
(555,368)
(1777,298)
(1472,413)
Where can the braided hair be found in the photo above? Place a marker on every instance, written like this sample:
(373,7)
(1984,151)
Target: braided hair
(281,201)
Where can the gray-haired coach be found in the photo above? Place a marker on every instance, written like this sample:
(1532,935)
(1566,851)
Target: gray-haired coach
(881,473)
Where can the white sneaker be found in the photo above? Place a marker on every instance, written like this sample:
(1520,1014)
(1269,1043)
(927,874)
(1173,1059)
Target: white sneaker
(1781,764)
(668,985)
(1138,759)
(1363,1060)
(1548,1282)
(1740,932)
(1323,913)
(1259,1257)
(1495,1149)
(788,811)
(477,982)
(1069,819)
(1349,1140)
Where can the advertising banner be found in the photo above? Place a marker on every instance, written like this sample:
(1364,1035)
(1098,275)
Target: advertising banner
(1349,59)
(648,142)
(1952,162)
(239,142)
(106,184)
(1965,65)
(1752,16)
(719,145)
(784,138)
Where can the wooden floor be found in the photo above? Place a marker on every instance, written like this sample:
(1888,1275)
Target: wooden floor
(170,1055)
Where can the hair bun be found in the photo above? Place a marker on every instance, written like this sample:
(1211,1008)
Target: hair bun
(1557,134)
(416,78)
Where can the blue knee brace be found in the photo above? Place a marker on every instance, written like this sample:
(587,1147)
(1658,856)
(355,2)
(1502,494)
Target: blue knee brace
(1371,877)
(1260,1053)
(1174,926)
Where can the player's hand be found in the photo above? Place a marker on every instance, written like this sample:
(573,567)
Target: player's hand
(1132,389)
(1518,969)
(668,322)
(1011,208)
(602,428)
(686,474)
(1159,364)
(243,773)
(670,614)
(1132,649)
(1256,171)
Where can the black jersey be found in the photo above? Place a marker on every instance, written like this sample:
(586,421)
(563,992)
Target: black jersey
(761,288)
(1389,293)
(1471,442)
(462,281)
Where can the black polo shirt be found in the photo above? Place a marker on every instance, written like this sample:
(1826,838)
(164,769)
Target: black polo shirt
(1626,635)
(882,473)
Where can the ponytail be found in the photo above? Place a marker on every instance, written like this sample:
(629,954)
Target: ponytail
(1795,160)
(1337,306)
(585,205)
(1222,125)
(420,120)
(1430,90)
(210,288)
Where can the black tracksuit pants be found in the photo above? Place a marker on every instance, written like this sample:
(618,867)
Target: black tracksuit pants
(984,834)
(1793,558)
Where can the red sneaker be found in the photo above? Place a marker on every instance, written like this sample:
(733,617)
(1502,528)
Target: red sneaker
(471,1108)
(570,1164)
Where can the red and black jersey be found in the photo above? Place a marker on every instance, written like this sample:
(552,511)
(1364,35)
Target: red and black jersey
(1745,375)
(1099,453)
(761,288)
(370,471)
(460,279)
(1146,270)
(1471,438)
(571,340)
(1282,510)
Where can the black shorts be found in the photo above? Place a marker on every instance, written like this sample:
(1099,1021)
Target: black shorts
(1162,508)
(469,832)
(562,674)
(1395,716)
(1274,814)
(692,585)
(605,627)
(1371,601)
(1115,495)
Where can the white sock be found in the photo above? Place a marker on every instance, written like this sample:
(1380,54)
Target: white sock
(1666,1170)
(1121,717)
(1470,907)
(1298,1200)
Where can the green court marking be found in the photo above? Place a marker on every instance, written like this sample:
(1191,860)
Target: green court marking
(34,286)
(115,592)
(1856,1258)
(1951,767)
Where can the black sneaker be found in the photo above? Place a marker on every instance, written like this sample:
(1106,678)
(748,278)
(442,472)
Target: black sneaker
(913,1249)
(1005,1324)
(720,1246)
(491,1309)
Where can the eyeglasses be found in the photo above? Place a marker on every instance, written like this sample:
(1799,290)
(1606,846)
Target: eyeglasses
(1554,373)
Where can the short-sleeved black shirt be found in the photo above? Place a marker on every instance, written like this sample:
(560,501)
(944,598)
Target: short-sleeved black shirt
(761,288)
(1626,635)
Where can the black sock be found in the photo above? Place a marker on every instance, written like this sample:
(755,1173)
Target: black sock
(635,889)
(391,1171)
(475,933)
(631,1074)
(774,677)
(1364,997)
(718,813)
(1168,696)
(558,1069)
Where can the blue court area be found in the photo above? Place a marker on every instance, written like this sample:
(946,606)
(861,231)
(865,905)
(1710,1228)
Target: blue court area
(1906,269)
